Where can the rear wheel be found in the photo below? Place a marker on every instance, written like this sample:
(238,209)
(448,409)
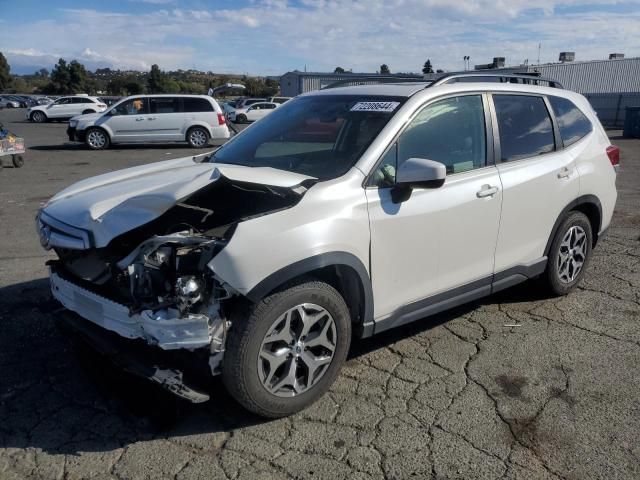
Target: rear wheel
(38,117)
(241,119)
(17,160)
(197,137)
(97,139)
(284,353)
(569,254)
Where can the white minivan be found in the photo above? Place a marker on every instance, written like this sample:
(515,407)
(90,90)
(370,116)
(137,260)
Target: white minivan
(152,118)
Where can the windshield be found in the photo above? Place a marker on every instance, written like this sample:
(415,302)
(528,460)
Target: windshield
(320,136)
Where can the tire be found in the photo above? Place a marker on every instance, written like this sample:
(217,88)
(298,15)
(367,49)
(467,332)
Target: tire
(241,119)
(97,139)
(197,137)
(38,117)
(17,160)
(88,111)
(571,245)
(246,372)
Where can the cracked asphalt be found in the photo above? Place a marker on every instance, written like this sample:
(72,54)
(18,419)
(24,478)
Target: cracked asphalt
(459,395)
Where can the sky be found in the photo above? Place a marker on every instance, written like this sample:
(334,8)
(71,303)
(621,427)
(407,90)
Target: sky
(271,37)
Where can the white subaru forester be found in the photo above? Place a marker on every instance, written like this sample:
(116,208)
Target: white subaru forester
(344,213)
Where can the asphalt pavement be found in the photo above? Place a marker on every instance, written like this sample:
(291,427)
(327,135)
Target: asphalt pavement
(516,386)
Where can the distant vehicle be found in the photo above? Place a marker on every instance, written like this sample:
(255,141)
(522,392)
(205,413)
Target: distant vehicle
(65,108)
(253,112)
(279,100)
(44,100)
(7,102)
(110,100)
(245,102)
(152,118)
(227,107)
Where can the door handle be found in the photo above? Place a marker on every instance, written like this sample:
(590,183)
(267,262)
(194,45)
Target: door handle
(564,173)
(151,118)
(487,191)
(139,119)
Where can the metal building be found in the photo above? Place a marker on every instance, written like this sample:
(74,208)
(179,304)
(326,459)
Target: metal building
(295,83)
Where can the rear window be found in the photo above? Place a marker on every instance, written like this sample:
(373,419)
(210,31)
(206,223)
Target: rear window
(164,105)
(572,123)
(524,125)
(197,105)
(321,136)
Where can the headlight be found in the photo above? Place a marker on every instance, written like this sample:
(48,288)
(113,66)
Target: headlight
(73,123)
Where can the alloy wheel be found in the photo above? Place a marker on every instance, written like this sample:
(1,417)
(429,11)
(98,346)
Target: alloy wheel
(96,139)
(297,350)
(198,138)
(572,255)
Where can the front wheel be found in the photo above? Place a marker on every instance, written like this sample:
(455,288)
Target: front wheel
(242,119)
(38,117)
(97,139)
(284,353)
(569,254)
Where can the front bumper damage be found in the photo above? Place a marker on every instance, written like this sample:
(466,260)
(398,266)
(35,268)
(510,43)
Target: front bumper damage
(170,373)
(164,328)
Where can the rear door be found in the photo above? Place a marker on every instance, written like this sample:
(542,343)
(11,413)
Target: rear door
(539,178)
(165,119)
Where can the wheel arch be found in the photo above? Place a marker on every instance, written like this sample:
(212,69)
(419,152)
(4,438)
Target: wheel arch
(193,125)
(342,270)
(589,205)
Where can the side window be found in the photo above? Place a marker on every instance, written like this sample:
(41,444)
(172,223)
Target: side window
(191,104)
(63,101)
(572,123)
(164,105)
(524,125)
(450,131)
(135,106)
(270,106)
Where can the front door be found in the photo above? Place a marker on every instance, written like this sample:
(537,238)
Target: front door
(61,108)
(127,122)
(440,242)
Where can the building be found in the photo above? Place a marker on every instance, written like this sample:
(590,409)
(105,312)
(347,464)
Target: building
(294,83)
(616,75)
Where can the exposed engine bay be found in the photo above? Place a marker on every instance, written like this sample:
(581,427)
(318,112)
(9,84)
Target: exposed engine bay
(154,282)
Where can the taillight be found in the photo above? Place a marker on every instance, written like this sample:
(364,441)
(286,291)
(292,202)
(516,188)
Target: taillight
(102,105)
(221,119)
(613,153)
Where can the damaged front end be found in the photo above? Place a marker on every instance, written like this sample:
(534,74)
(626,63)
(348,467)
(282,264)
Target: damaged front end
(154,282)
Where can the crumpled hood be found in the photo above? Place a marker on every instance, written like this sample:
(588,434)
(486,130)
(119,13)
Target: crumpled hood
(111,204)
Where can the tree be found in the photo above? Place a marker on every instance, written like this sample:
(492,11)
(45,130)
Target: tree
(439,70)
(384,68)
(78,78)
(156,80)
(339,70)
(427,68)
(42,73)
(60,78)
(5,73)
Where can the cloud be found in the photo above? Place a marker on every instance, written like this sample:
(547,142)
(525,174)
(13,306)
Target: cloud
(273,36)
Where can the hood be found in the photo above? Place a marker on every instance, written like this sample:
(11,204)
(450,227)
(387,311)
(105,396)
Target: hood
(87,117)
(114,203)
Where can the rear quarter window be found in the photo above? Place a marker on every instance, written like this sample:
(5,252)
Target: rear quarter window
(197,105)
(572,123)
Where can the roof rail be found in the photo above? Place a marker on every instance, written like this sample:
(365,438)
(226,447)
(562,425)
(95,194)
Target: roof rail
(356,80)
(501,77)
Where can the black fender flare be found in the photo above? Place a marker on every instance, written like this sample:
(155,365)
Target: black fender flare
(285,274)
(581,200)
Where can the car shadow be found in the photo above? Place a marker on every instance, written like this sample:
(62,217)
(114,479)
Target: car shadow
(62,398)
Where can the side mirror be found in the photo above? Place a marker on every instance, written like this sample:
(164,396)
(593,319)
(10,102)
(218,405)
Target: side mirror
(417,173)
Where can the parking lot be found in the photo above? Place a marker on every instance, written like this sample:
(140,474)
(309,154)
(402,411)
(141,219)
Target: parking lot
(517,385)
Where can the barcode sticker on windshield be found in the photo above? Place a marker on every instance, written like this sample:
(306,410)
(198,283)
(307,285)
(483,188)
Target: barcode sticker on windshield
(375,106)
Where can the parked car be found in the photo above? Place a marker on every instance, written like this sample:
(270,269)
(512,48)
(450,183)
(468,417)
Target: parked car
(263,260)
(245,102)
(7,102)
(66,107)
(279,100)
(152,118)
(252,113)
(44,100)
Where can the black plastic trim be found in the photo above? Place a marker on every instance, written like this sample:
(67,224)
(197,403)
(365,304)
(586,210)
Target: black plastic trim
(316,262)
(582,200)
(461,295)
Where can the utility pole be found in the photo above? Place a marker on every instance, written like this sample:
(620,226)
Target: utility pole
(539,47)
